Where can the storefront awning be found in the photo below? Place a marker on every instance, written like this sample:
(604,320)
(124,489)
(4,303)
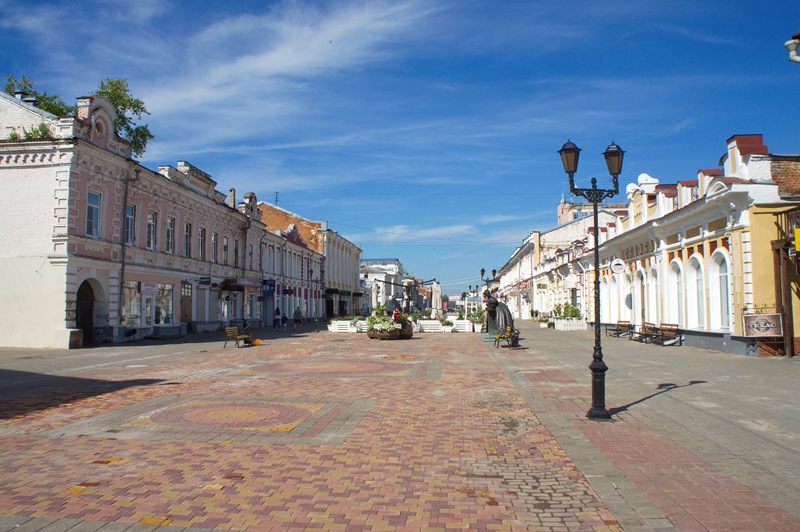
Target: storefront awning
(230,285)
(358,294)
(331,290)
(344,292)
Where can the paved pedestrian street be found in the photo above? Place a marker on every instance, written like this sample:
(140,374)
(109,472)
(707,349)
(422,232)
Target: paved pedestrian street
(444,431)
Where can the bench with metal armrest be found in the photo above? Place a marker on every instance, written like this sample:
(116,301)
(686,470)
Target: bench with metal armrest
(623,328)
(645,334)
(236,335)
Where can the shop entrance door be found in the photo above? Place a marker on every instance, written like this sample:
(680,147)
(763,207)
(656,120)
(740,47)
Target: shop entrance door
(84,312)
(186,302)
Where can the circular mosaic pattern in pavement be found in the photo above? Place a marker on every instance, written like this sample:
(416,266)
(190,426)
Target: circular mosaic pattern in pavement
(237,415)
(345,367)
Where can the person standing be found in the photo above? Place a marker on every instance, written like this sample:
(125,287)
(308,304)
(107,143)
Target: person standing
(276,319)
(298,319)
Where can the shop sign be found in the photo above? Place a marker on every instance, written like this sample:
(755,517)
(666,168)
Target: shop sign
(149,288)
(523,285)
(268,285)
(618,266)
(204,280)
(638,249)
(757,325)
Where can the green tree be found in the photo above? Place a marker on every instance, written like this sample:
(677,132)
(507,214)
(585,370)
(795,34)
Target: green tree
(46,102)
(129,110)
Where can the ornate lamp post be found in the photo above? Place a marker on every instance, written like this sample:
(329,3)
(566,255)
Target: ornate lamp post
(569,158)
(791,47)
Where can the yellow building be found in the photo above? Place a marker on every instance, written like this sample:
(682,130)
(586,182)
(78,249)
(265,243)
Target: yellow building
(711,255)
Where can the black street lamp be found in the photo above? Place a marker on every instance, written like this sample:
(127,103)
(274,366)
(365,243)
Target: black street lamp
(487,279)
(569,158)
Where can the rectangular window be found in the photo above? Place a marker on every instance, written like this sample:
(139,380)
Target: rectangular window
(236,253)
(93,215)
(131,303)
(152,227)
(214,238)
(163,302)
(201,243)
(225,250)
(250,255)
(187,240)
(130,223)
(170,235)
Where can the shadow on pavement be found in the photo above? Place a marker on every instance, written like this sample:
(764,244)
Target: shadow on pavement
(25,392)
(662,388)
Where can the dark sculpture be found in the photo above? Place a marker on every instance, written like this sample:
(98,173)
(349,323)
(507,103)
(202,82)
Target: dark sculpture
(498,317)
(490,303)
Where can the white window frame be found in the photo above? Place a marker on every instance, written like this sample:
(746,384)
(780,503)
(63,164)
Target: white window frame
(201,243)
(187,239)
(93,201)
(170,243)
(130,224)
(151,238)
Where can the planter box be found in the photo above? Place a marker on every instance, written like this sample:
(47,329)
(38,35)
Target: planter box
(462,325)
(571,325)
(429,326)
(340,326)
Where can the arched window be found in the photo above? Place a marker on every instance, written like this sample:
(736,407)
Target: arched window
(719,289)
(652,313)
(626,309)
(613,299)
(675,294)
(695,294)
(639,298)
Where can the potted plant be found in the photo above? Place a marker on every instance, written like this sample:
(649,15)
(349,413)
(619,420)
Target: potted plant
(447,326)
(383,327)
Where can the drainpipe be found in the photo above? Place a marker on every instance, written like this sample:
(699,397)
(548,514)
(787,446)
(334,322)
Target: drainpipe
(245,230)
(126,182)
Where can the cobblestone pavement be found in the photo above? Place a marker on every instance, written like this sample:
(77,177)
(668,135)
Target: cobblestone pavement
(339,432)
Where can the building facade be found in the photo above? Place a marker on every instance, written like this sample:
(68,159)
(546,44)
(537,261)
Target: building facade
(715,255)
(104,250)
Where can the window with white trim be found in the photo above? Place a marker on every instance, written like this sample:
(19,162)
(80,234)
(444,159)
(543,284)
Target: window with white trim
(151,240)
(187,240)
(93,215)
(130,223)
(170,245)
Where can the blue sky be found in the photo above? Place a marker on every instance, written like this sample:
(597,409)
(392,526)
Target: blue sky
(425,130)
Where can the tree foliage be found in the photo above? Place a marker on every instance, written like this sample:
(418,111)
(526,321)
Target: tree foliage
(129,110)
(46,102)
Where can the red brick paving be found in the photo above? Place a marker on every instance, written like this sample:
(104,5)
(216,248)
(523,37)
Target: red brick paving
(454,447)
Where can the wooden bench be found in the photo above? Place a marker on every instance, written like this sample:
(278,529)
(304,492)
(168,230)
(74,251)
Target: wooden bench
(233,333)
(510,335)
(646,333)
(668,334)
(623,328)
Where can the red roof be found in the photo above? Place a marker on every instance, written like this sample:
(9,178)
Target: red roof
(750,144)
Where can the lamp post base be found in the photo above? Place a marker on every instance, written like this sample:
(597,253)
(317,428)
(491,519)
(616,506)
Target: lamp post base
(599,368)
(598,412)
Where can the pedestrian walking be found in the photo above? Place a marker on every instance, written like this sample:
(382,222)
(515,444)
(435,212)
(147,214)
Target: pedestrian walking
(276,319)
(298,319)
(284,321)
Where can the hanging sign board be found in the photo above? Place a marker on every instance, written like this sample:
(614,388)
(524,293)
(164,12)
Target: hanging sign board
(757,325)
(149,288)
(618,266)
(269,287)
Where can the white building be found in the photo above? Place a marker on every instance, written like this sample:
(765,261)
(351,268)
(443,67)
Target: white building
(100,247)
(384,278)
